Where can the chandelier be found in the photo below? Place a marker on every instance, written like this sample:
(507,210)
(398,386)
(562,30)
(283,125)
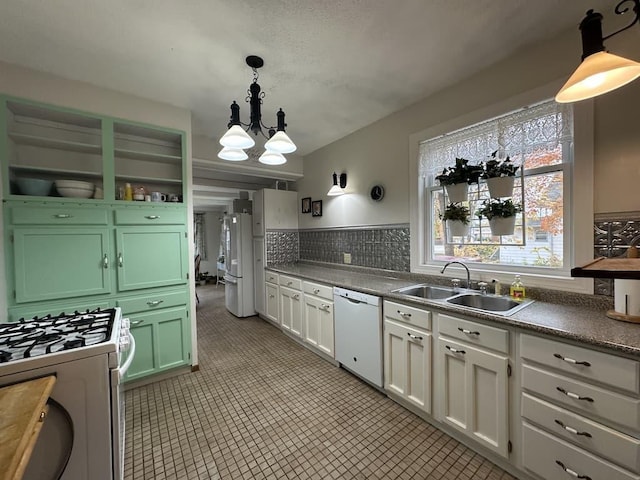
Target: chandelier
(237,140)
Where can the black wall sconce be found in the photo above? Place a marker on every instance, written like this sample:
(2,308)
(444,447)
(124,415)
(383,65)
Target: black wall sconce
(338,189)
(600,72)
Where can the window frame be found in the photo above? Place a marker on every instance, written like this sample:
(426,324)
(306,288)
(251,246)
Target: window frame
(578,181)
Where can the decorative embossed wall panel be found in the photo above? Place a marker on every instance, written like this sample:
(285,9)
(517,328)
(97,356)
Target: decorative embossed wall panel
(614,233)
(282,246)
(376,247)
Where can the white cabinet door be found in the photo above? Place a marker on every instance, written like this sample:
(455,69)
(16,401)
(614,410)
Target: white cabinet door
(473,384)
(407,363)
(318,324)
(271,302)
(291,310)
(258,274)
(257,215)
(280,209)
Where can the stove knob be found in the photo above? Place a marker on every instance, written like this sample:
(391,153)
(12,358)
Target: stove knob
(126,323)
(124,343)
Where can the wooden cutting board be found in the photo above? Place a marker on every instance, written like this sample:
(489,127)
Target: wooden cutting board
(22,412)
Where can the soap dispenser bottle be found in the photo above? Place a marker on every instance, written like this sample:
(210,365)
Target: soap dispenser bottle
(517,289)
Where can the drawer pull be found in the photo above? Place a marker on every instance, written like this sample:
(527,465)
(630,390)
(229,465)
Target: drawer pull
(289,284)
(272,296)
(404,314)
(414,337)
(468,332)
(120,260)
(316,291)
(155,303)
(63,215)
(571,472)
(137,322)
(296,297)
(455,350)
(571,360)
(105,261)
(324,307)
(572,430)
(152,217)
(574,395)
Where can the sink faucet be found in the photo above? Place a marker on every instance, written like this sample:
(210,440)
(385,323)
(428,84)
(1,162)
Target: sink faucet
(465,267)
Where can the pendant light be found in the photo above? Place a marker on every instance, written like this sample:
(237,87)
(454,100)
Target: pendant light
(233,154)
(600,72)
(237,137)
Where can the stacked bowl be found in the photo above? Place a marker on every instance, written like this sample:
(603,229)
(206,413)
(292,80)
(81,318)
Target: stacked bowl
(75,188)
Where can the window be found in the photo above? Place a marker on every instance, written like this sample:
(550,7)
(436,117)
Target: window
(539,139)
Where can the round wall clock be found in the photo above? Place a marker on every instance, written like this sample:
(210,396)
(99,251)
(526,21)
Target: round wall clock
(377,193)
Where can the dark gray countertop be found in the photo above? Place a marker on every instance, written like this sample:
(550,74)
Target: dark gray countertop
(580,323)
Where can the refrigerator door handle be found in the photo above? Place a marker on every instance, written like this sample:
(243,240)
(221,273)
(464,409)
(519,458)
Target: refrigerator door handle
(229,279)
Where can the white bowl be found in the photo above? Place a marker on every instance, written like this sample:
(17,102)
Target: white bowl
(74,184)
(75,188)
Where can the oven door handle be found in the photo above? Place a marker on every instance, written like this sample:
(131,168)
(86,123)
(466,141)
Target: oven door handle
(131,353)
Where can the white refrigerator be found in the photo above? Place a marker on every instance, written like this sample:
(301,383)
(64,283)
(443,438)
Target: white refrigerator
(238,248)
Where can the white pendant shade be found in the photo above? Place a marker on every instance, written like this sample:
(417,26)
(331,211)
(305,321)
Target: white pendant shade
(272,158)
(599,73)
(335,191)
(236,137)
(233,154)
(280,143)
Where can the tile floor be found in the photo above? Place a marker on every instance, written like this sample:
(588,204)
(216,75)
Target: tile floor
(264,407)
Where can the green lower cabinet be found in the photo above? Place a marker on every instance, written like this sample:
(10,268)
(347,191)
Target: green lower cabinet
(163,341)
(143,260)
(55,263)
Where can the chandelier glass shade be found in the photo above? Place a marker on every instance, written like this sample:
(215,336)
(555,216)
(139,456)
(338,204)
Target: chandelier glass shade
(237,137)
(600,72)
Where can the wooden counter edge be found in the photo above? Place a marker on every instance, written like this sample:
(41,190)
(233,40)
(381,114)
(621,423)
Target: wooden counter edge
(31,396)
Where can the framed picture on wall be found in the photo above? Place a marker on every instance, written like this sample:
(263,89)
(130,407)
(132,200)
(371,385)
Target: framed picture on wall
(316,208)
(306,205)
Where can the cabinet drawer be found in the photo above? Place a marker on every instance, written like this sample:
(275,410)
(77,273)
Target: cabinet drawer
(290,282)
(474,333)
(595,437)
(152,301)
(322,291)
(593,401)
(59,215)
(409,315)
(555,459)
(271,277)
(592,365)
(149,216)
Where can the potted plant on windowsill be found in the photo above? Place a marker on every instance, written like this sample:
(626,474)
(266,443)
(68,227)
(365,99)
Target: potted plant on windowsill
(456,217)
(501,215)
(500,176)
(457,179)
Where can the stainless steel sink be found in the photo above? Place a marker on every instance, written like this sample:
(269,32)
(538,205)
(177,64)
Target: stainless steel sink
(472,299)
(427,291)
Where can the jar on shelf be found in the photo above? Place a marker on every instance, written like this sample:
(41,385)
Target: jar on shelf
(139,193)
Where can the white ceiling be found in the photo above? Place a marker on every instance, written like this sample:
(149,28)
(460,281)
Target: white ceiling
(334,66)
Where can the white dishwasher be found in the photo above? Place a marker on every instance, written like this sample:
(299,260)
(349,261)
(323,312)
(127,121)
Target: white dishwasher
(358,333)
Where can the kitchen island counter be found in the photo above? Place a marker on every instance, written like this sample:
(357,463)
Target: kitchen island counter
(583,319)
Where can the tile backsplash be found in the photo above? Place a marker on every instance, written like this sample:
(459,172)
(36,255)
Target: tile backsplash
(282,246)
(384,247)
(613,234)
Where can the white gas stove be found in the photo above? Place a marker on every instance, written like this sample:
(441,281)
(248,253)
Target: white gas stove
(83,434)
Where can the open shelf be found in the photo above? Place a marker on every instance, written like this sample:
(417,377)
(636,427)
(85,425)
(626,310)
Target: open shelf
(58,172)
(137,179)
(623,268)
(55,143)
(157,157)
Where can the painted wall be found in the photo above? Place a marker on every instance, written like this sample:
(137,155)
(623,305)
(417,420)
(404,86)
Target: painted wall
(213,227)
(43,87)
(380,152)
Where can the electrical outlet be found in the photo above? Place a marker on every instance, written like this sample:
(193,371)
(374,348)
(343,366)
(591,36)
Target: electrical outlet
(347,258)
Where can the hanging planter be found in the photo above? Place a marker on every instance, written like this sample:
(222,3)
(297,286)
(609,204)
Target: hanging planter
(501,215)
(458,178)
(502,225)
(456,217)
(500,187)
(458,192)
(458,228)
(500,176)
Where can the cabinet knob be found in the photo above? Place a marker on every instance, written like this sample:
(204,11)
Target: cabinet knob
(296,296)
(272,296)
(105,261)
(289,284)
(120,260)
(316,291)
